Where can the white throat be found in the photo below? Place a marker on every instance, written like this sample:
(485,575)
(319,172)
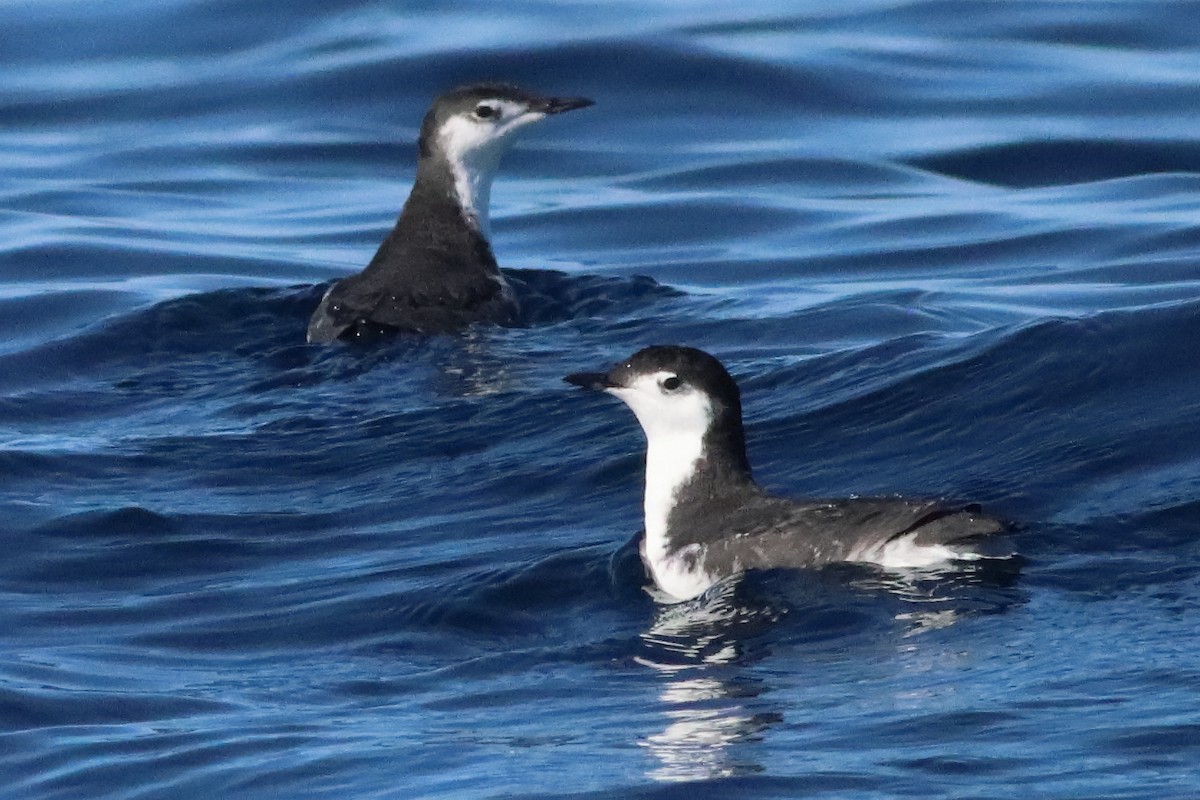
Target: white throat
(473,150)
(473,176)
(674,428)
(670,464)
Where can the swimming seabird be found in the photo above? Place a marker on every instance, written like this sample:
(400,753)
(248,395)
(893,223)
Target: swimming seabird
(435,272)
(705,516)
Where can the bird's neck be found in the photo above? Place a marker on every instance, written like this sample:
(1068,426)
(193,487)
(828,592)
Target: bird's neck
(467,181)
(434,222)
(691,470)
(473,188)
(671,463)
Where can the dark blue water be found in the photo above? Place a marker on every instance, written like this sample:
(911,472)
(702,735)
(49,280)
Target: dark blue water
(948,248)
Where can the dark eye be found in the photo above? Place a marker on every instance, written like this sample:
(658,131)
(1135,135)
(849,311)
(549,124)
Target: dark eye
(672,383)
(484,111)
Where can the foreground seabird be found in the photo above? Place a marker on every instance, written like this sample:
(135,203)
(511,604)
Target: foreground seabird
(435,272)
(705,516)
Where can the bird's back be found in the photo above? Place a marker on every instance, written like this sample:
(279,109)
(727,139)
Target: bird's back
(762,531)
(432,274)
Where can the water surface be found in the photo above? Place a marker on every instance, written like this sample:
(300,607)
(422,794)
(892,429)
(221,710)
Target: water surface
(947,248)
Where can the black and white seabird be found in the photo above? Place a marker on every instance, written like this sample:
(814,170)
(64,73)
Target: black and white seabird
(705,516)
(435,272)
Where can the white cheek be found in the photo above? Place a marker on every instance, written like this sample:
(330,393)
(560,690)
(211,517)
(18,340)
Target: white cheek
(520,120)
(514,115)
(478,143)
(467,142)
(473,148)
(682,414)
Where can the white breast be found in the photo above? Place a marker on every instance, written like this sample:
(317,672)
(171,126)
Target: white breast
(674,576)
(675,426)
(670,463)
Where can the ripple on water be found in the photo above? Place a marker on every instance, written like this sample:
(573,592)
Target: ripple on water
(947,248)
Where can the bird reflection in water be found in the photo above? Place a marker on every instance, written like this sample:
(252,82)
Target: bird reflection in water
(703,649)
(709,711)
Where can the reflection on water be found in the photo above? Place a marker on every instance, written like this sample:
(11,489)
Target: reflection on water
(705,712)
(934,256)
(714,628)
(705,720)
(922,621)
(713,710)
(938,597)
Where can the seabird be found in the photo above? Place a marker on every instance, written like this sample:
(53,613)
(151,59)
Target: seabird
(705,516)
(435,272)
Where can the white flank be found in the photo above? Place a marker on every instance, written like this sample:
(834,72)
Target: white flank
(674,424)
(904,553)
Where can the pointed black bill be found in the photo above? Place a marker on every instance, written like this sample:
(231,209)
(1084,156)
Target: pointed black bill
(593,381)
(557,105)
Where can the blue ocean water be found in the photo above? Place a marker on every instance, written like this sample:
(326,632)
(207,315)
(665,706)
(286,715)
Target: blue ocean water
(948,248)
